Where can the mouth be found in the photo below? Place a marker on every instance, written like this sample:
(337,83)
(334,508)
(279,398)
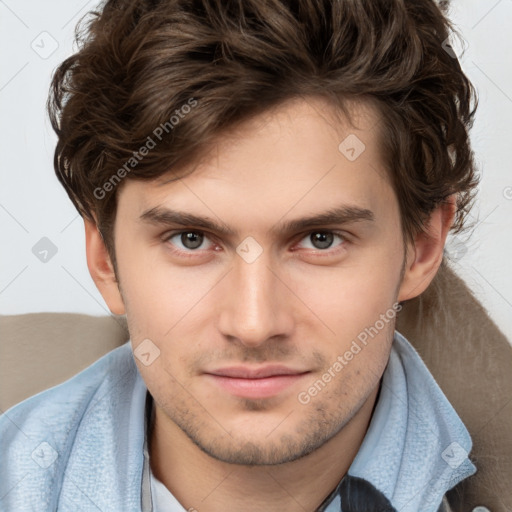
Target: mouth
(263,382)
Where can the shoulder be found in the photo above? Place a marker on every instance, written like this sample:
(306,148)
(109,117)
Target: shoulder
(63,402)
(37,435)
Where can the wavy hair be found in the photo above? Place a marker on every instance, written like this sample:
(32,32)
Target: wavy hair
(139,62)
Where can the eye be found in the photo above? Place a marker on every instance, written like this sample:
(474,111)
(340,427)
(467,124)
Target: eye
(321,240)
(189,240)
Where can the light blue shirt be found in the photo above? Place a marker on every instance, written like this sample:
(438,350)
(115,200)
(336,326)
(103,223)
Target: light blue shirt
(80,445)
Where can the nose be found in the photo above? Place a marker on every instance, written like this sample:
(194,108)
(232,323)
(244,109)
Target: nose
(255,304)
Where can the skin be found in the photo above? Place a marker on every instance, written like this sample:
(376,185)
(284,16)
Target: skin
(299,303)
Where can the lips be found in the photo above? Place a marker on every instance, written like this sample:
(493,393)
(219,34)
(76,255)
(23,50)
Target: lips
(263,382)
(244,372)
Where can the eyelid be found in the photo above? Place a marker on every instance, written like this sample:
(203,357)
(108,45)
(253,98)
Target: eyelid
(169,234)
(334,231)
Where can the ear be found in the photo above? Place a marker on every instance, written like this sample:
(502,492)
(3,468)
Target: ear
(101,268)
(426,254)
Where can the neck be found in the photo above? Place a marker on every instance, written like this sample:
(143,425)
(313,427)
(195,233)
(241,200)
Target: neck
(200,482)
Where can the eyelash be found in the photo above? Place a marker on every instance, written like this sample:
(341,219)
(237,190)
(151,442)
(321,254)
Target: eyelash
(317,252)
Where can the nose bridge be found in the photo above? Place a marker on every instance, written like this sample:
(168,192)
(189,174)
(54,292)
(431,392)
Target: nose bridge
(253,309)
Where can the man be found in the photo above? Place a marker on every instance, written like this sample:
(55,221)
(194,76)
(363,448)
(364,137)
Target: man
(263,184)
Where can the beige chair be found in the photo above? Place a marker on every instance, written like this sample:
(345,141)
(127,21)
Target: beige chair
(471,360)
(465,351)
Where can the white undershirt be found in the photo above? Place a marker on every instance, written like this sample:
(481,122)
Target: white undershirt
(163,499)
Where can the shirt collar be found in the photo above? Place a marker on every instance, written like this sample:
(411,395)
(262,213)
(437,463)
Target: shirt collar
(416,446)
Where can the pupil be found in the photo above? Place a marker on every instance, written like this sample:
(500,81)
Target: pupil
(191,240)
(322,240)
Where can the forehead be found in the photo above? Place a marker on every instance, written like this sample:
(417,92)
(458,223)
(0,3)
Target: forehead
(306,128)
(298,157)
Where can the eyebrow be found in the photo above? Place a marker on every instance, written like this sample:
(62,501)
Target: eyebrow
(344,214)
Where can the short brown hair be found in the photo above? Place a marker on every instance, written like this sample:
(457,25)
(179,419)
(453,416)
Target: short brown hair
(140,62)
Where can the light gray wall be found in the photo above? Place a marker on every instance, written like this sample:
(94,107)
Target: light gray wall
(35,36)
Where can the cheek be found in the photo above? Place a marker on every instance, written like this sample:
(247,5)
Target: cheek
(157,294)
(350,298)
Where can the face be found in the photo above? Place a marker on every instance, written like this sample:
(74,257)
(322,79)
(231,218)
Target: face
(258,313)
